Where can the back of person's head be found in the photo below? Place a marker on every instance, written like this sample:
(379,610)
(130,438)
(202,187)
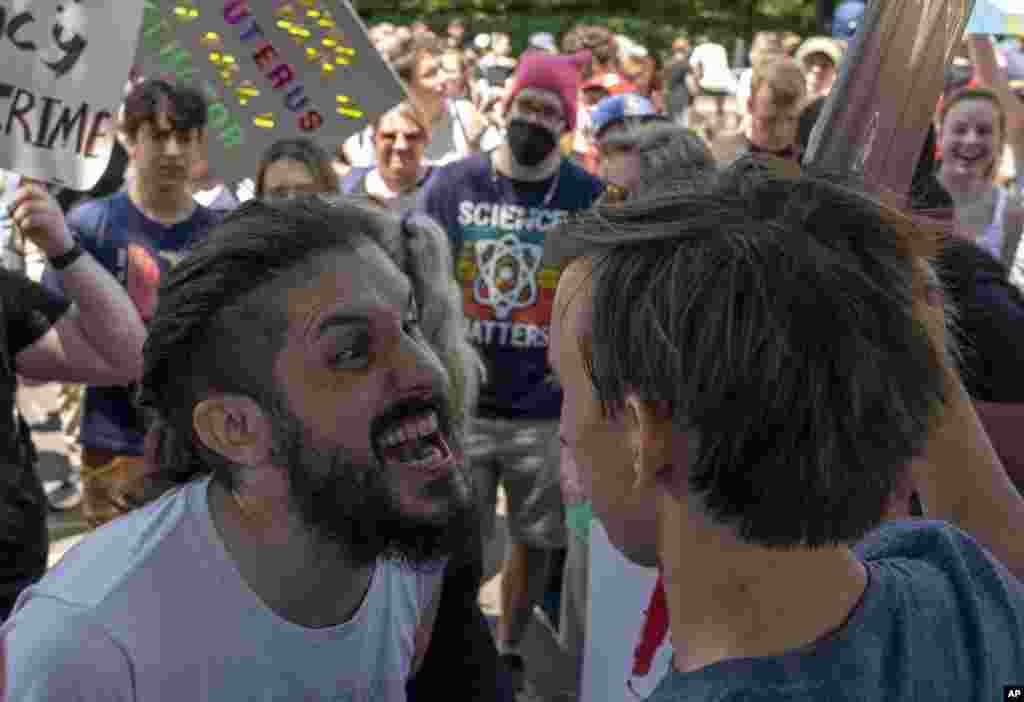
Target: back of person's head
(223,314)
(791,41)
(777,318)
(184,106)
(784,77)
(405,54)
(304,151)
(765,45)
(668,154)
(572,41)
(600,41)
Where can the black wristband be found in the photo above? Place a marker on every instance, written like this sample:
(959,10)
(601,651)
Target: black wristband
(61,262)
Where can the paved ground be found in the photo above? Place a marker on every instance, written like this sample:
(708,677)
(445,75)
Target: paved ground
(547,677)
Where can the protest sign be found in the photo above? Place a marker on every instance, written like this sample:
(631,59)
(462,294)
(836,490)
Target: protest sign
(997,17)
(618,595)
(269,70)
(65,65)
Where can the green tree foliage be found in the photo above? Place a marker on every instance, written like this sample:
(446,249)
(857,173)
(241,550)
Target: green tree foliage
(654,22)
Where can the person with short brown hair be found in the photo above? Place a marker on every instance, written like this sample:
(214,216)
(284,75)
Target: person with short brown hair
(137,234)
(750,367)
(765,47)
(778,93)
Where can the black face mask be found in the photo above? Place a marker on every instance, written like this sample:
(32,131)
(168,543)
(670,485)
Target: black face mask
(529,142)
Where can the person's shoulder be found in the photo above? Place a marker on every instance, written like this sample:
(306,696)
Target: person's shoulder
(87,216)
(205,217)
(579,177)
(472,165)
(736,681)
(350,182)
(105,564)
(455,173)
(945,550)
(53,650)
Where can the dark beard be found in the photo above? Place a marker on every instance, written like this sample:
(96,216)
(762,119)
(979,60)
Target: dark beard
(350,504)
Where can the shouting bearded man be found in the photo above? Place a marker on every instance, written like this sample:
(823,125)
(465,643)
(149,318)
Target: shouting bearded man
(303,425)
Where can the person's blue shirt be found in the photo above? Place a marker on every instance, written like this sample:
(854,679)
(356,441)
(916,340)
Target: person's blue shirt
(940,620)
(497,227)
(137,251)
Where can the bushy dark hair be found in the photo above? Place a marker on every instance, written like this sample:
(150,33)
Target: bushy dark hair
(185,107)
(776,317)
(221,318)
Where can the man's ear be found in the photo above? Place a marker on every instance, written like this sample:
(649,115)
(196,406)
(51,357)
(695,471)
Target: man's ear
(660,453)
(235,427)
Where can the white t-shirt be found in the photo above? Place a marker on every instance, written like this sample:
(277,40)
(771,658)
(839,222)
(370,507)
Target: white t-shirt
(715,63)
(743,90)
(151,607)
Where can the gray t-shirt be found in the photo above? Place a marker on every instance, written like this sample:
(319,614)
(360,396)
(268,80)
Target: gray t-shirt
(940,620)
(152,607)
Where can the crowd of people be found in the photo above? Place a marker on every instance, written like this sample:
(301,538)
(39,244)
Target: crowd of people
(591,278)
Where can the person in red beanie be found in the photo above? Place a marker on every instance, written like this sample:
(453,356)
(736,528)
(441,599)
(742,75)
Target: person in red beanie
(497,208)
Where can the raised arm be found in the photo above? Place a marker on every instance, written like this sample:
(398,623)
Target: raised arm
(960,478)
(99,340)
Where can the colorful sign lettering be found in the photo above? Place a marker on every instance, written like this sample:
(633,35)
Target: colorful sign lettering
(63,79)
(270,70)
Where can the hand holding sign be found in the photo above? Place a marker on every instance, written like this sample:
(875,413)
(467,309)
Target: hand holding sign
(39,218)
(59,92)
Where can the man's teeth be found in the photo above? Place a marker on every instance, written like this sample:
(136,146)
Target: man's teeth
(410,430)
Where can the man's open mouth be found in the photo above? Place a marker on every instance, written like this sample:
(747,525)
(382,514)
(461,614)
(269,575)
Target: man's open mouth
(416,441)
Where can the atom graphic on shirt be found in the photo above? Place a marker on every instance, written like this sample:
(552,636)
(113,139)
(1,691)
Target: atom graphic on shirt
(507,278)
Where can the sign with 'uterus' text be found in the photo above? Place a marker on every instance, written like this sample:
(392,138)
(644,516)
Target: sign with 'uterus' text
(270,70)
(65,63)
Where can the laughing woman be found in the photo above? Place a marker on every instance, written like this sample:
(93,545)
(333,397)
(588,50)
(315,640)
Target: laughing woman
(972,136)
